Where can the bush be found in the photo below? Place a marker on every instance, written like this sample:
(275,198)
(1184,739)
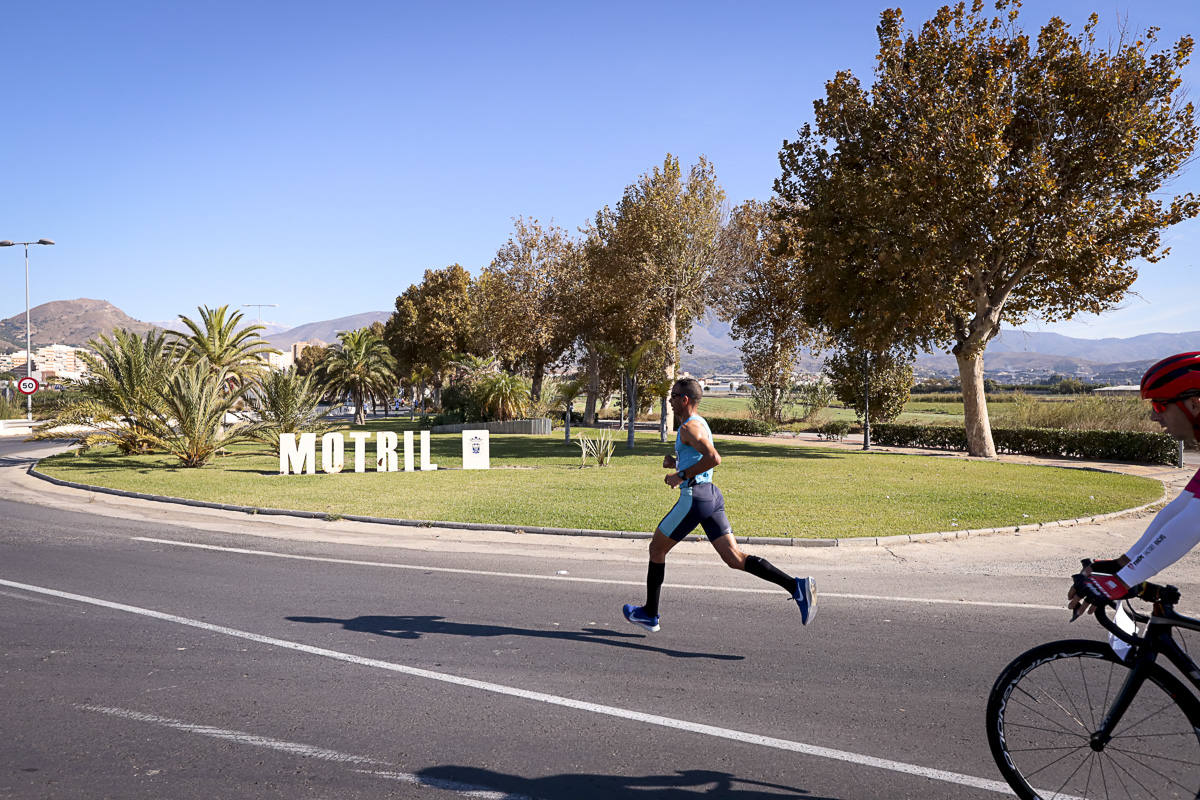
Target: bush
(458,400)
(1147,448)
(834,431)
(739,427)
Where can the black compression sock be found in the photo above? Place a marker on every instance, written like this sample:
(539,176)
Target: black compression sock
(654,582)
(761,568)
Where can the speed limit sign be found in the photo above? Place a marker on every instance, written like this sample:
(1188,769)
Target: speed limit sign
(27,385)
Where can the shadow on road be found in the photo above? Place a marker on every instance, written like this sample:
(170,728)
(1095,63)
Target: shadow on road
(678,786)
(413,627)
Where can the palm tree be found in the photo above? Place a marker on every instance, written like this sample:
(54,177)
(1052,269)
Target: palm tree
(629,365)
(239,352)
(564,394)
(286,402)
(188,421)
(504,396)
(114,403)
(472,369)
(361,367)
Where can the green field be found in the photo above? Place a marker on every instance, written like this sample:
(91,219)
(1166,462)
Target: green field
(771,488)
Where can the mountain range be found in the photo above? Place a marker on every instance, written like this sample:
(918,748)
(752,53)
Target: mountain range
(712,349)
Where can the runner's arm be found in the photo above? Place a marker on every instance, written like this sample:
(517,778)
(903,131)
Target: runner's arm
(709,457)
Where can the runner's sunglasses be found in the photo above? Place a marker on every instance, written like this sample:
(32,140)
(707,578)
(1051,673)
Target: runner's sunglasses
(1160,406)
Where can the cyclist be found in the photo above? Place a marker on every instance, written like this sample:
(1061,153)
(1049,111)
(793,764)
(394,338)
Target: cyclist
(1173,388)
(700,503)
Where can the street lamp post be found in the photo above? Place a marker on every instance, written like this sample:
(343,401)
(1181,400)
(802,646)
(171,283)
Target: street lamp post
(28,340)
(260,307)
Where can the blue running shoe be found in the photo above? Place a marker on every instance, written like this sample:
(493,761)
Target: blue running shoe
(805,596)
(638,616)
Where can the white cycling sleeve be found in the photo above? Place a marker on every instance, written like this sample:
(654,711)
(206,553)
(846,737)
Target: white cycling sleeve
(1174,531)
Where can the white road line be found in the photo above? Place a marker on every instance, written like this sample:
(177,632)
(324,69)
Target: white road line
(309,751)
(541,697)
(613,582)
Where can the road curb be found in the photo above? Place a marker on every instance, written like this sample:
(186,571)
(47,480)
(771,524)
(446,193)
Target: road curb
(863,541)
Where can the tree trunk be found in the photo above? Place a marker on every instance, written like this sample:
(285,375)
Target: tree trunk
(539,373)
(633,405)
(867,400)
(671,369)
(664,410)
(360,409)
(593,390)
(979,427)
(567,421)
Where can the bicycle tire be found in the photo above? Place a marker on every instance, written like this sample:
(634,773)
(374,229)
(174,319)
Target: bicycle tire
(1157,741)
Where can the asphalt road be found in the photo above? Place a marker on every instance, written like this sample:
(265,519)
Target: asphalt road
(136,664)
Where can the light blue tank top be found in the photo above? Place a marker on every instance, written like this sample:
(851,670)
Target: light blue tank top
(686,455)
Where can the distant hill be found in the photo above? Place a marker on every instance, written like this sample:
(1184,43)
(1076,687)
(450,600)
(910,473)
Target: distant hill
(66,322)
(1011,352)
(326,330)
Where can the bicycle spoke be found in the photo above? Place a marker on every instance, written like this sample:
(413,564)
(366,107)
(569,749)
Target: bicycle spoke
(1072,775)
(1156,756)
(1042,749)
(1052,763)
(1170,702)
(1070,699)
(1076,734)
(1087,693)
(1167,778)
(1116,775)
(1118,769)
(1050,719)
(1190,733)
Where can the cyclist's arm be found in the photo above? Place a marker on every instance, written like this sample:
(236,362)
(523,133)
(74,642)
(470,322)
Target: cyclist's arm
(1174,531)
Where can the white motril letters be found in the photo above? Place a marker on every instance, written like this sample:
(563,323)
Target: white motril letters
(298,452)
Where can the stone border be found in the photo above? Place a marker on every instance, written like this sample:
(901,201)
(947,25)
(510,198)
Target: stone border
(861,541)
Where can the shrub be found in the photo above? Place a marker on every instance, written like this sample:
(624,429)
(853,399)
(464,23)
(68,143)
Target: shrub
(459,400)
(1149,448)
(739,427)
(834,430)
(600,447)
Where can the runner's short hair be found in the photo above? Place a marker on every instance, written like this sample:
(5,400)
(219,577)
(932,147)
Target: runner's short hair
(690,387)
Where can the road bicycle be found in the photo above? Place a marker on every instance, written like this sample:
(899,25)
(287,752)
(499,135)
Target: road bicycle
(1089,719)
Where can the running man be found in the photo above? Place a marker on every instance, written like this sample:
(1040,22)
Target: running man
(700,503)
(1173,388)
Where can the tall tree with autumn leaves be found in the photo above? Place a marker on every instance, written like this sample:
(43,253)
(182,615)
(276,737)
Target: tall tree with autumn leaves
(984,178)
(523,298)
(760,303)
(433,322)
(661,247)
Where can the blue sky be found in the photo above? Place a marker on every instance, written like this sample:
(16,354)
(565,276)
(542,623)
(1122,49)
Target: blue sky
(321,156)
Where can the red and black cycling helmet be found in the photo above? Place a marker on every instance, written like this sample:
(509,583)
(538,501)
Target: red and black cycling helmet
(1172,380)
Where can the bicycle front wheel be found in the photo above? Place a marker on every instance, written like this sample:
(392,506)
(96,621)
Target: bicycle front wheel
(1047,703)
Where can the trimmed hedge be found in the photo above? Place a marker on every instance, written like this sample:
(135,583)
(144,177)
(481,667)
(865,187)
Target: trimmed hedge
(739,427)
(1147,448)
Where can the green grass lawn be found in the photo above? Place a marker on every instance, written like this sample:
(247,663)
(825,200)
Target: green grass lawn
(771,489)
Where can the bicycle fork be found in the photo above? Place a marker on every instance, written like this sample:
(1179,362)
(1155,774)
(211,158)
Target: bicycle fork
(1133,683)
